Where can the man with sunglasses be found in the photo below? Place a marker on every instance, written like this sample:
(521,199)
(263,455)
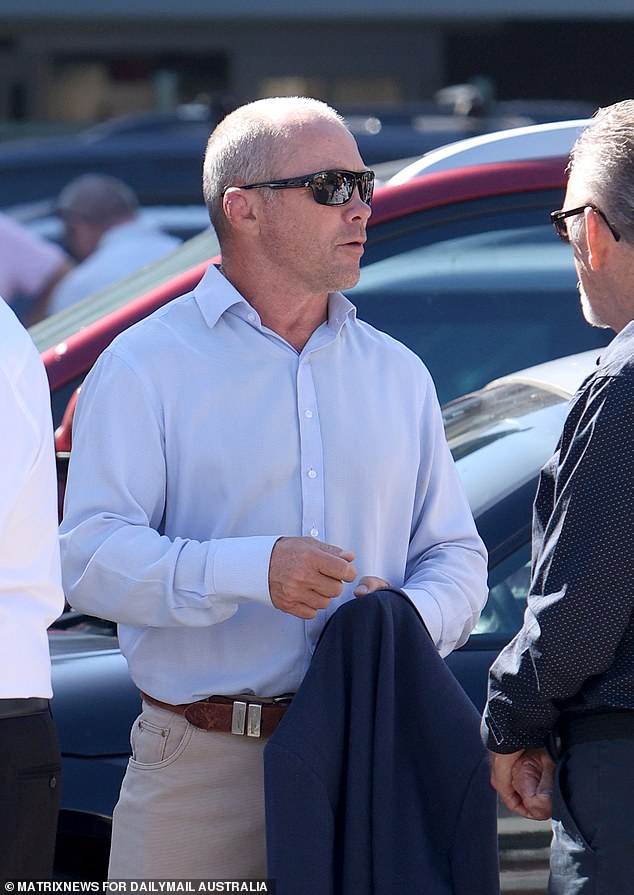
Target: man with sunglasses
(560,715)
(244,460)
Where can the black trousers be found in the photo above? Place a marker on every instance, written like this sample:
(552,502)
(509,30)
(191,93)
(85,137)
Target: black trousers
(593,820)
(30,776)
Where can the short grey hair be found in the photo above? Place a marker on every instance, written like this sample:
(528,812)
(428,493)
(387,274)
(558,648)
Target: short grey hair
(98,198)
(250,144)
(602,164)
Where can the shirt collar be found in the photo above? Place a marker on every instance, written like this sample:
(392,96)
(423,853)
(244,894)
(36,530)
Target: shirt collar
(618,351)
(215,295)
(340,309)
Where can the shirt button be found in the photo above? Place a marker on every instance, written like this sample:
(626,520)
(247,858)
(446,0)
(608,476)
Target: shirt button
(312,474)
(251,317)
(314,532)
(308,414)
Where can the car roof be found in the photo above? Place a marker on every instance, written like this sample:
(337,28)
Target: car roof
(462,183)
(518,143)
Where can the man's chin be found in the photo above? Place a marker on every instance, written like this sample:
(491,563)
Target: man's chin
(590,314)
(347,280)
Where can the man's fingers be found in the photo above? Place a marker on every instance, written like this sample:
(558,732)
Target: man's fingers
(336,568)
(302,610)
(502,768)
(348,555)
(511,797)
(336,563)
(521,779)
(533,780)
(369,583)
(305,574)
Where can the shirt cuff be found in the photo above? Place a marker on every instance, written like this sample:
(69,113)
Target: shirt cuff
(430,612)
(239,567)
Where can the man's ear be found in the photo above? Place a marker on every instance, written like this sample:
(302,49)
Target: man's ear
(599,239)
(238,207)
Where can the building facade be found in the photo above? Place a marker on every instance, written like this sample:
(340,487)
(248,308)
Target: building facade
(80,61)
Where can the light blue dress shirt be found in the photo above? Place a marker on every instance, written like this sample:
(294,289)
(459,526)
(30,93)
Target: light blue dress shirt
(201,437)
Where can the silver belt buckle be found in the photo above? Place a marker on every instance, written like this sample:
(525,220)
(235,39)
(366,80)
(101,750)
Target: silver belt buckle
(238,718)
(246,718)
(254,719)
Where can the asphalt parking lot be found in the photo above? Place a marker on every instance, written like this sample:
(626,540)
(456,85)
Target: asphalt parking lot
(524,849)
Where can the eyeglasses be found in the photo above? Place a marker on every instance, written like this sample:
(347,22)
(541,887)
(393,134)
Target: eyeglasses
(558,220)
(328,187)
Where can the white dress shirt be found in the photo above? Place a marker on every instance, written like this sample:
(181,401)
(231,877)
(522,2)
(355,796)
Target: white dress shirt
(30,586)
(201,437)
(121,250)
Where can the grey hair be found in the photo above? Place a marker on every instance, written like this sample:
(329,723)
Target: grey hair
(99,198)
(250,144)
(602,164)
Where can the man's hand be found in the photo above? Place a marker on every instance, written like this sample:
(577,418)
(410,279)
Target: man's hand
(524,781)
(305,574)
(369,583)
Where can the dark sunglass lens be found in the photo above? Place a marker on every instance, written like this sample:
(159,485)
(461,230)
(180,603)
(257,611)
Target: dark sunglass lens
(331,188)
(342,187)
(366,187)
(562,229)
(337,187)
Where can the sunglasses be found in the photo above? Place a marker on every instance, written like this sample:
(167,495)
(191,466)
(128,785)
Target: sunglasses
(328,187)
(558,220)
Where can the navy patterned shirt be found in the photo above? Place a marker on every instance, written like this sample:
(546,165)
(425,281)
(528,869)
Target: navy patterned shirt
(575,652)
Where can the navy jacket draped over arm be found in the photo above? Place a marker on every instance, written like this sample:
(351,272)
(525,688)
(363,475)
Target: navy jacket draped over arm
(376,781)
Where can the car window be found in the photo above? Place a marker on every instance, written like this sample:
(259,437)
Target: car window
(508,589)
(478,305)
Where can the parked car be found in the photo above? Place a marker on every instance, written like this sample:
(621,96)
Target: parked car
(94,706)
(500,437)
(547,140)
(160,153)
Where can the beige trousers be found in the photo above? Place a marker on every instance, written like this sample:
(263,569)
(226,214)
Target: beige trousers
(191,804)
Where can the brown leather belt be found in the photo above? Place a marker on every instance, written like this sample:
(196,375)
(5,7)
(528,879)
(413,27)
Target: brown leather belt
(253,718)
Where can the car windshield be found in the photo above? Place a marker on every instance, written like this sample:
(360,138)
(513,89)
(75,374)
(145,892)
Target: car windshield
(501,436)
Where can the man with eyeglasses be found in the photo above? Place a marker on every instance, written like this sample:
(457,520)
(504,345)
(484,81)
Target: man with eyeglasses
(245,460)
(560,714)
